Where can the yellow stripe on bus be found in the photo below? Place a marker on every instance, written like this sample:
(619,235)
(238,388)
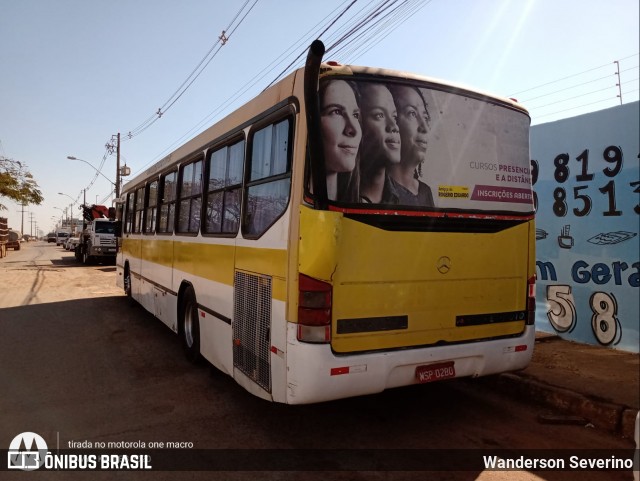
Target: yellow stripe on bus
(213,262)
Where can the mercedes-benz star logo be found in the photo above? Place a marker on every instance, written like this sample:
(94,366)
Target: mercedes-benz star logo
(443,265)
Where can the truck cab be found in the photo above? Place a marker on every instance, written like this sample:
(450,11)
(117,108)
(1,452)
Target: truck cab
(62,236)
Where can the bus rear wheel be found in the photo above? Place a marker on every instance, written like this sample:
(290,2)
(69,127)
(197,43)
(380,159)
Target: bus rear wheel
(190,325)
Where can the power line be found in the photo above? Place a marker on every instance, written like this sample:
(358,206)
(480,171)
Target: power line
(607,83)
(389,27)
(195,73)
(382,24)
(386,14)
(301,43)
(302,53)
(369,17)
(570,76)
(567,88)
(575,97)
(579,106)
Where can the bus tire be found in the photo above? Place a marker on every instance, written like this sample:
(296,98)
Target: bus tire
(190,325)
(127,283)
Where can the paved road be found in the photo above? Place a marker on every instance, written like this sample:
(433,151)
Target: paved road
(78,362)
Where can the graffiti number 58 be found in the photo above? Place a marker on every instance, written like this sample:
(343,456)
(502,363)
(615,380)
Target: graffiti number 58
(562,308)
(605,324)
(604,321)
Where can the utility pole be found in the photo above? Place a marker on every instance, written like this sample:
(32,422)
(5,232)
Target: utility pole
(84,205)
(118,168)
(116,139)
(22,211)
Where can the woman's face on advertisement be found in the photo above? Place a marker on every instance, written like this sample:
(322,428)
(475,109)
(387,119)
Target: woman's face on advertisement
(412,120)
(379,123)
(341,131)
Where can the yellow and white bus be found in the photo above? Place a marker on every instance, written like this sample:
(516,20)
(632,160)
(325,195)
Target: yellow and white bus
(348,230)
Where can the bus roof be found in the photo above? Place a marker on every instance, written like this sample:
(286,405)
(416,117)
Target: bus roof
(331,68)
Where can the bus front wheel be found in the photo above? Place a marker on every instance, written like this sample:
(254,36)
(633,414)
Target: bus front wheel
(189,325)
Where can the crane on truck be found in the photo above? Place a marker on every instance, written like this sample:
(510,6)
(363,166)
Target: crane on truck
(98,239)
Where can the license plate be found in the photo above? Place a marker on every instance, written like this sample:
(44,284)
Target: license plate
(435,372)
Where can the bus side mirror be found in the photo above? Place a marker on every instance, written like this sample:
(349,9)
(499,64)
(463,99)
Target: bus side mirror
(117,227)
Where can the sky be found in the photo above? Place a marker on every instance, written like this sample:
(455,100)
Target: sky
(74,73)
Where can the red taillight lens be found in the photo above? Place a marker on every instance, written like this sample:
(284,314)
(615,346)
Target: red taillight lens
(531,300)
(314,310)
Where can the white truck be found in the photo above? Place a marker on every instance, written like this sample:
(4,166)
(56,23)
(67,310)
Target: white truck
(61,236)
(98,239)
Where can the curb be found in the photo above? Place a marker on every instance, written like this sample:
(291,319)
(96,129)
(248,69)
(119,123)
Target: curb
(602,414)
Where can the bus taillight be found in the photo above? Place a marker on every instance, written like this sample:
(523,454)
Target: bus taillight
(314,310)
(531,300)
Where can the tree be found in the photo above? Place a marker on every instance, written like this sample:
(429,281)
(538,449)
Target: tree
(17,184)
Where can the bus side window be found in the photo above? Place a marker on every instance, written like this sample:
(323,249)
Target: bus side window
(167,199)
(223,190)
(128,226)
(190,201)
(269,182)
(152,203)
(139,210)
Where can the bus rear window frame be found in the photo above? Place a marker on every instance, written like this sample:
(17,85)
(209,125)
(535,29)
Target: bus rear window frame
(312,199)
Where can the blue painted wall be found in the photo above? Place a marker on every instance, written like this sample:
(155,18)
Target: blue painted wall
(587,187)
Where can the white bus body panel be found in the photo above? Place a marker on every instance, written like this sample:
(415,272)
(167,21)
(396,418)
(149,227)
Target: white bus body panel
(310,380)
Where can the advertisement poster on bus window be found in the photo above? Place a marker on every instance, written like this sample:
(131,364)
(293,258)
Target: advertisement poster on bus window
(405,145)
(476,154)
(587,189)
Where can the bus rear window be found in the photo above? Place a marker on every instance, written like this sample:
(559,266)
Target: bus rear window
(401,146)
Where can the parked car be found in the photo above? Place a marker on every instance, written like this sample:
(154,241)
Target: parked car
(71,243)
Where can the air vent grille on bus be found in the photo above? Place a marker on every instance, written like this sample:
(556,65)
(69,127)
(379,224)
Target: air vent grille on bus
(251,327)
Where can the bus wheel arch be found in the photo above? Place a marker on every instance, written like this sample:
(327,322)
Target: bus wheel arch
(188,322)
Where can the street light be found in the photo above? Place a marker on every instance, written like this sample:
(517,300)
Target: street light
(71,224)
(115,184)
(61,215)
(62,193)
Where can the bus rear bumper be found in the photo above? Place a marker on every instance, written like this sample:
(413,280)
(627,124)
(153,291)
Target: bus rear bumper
(316,374)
